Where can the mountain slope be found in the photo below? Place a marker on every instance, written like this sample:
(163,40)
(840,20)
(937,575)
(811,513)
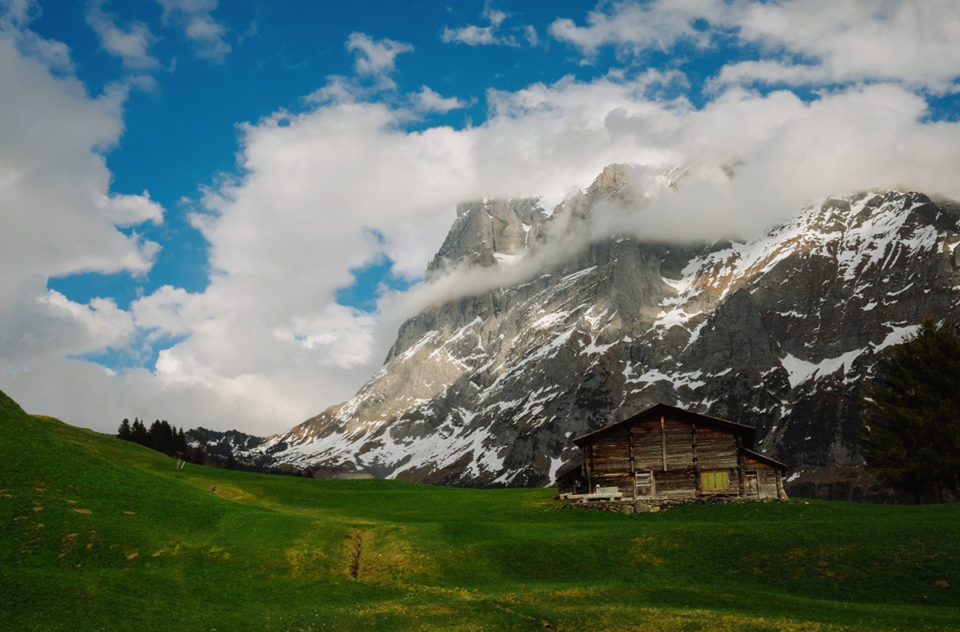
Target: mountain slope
(779,333)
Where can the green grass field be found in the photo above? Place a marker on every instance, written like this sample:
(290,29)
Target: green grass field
(100,534)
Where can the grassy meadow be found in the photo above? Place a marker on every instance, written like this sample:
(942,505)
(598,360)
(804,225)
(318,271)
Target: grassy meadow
(100,534)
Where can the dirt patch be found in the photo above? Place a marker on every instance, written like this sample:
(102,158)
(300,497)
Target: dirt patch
(38,508)
(356,551)
(133,555)
(84,511)
(129,513)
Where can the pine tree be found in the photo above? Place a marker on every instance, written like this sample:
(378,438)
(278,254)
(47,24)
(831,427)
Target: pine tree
(138,432)
(180,445)
(124,431)
(911,434)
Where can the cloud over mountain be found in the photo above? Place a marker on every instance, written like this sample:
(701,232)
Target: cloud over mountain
(324,186)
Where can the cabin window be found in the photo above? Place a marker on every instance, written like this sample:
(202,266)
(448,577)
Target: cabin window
(711,481)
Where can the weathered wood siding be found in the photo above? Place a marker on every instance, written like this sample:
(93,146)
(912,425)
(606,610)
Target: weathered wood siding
(676,483)
(766,477)
(716,450)
(646,446)
(608,463)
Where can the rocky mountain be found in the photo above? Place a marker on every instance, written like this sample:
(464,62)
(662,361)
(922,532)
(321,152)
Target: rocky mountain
(222,444)
(572,333)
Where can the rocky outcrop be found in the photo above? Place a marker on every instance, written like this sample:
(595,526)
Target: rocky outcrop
(779,333)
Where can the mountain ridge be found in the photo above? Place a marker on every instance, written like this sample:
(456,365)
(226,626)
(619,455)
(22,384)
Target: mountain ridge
(779,332)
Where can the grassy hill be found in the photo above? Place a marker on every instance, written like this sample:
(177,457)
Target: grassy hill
(100,534)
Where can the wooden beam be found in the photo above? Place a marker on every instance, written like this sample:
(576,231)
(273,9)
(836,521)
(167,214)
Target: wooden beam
(663,443)
(740,465)
(696,466)
(589,459)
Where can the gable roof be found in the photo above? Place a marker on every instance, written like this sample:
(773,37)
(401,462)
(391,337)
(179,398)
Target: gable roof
(764,459)
(679,414)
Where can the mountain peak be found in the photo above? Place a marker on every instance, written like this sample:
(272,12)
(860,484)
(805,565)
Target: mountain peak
(489,230)
(779,333)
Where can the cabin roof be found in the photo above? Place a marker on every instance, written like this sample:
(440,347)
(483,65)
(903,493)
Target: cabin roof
(764,459)
(569,467)
(674,413)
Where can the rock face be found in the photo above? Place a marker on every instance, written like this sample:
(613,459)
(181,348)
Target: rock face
(779,333)
(222,444)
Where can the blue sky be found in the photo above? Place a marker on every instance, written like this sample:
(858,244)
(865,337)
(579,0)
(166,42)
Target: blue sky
(219,212)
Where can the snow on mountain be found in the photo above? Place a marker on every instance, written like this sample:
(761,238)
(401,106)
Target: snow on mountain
(779,332)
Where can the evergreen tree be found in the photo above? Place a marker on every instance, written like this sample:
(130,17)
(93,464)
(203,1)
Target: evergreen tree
(180,443)
(911,432)
(138,432)
(155,436)
(124,431)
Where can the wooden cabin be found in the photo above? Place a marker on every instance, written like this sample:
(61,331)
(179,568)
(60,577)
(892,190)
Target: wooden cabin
(670,453)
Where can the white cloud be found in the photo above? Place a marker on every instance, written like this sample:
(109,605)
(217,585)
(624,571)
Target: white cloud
(839,41)
(635,27)
(128,210)
(196,19)
(43,323)
(471,35)
(428,100)
(59,216)
(854,40)
(376,58)
(130,45)
(15,17)
(475,35)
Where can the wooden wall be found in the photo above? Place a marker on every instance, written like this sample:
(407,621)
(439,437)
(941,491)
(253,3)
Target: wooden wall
(675,452)
(766,477)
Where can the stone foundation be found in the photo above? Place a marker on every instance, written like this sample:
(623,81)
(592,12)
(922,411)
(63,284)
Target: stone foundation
(653,506)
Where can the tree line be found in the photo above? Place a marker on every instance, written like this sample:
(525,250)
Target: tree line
(172,441)
(162,437)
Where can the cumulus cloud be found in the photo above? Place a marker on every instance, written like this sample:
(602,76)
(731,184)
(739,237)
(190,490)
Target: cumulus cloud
(59,216)
(837,41)
(856,40)
(15,18)
(199,26)
(428,100)
(130,44)
(637,26)
(376,58)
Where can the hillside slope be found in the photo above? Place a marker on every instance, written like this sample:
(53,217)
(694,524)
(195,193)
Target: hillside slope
(779,333)
(102,534)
